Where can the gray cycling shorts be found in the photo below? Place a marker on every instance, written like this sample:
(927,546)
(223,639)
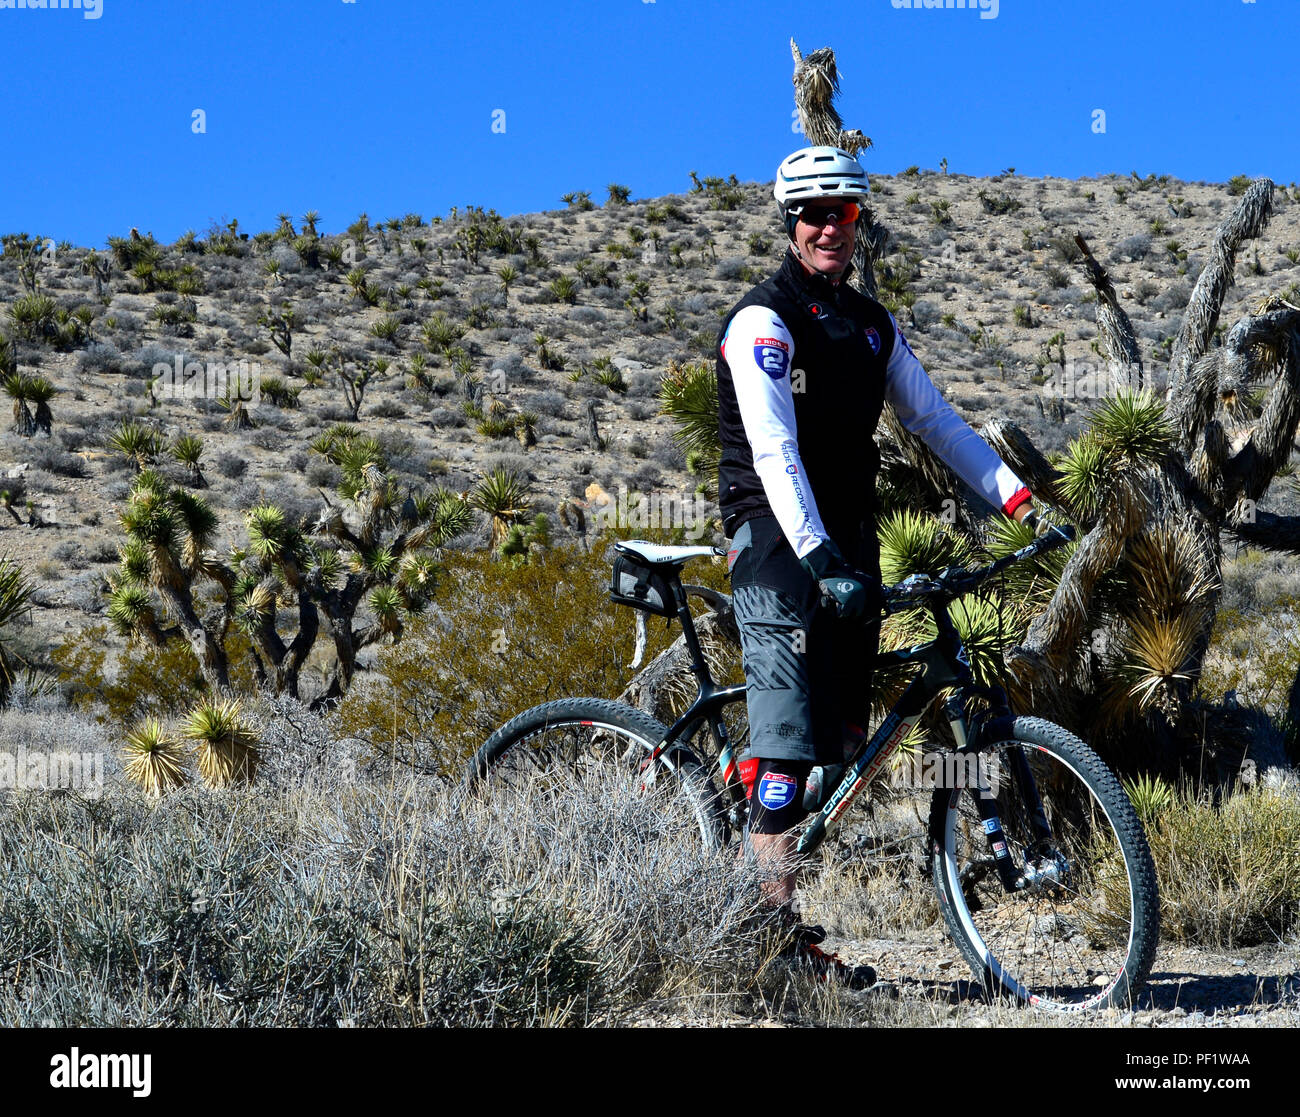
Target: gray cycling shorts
(807,671)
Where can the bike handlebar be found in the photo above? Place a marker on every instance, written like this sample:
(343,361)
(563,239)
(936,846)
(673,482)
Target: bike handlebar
(952,583)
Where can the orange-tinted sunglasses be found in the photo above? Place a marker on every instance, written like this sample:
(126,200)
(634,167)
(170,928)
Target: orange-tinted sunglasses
(841,213)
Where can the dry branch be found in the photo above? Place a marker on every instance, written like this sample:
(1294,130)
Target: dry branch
(1117,336)
(1202,315)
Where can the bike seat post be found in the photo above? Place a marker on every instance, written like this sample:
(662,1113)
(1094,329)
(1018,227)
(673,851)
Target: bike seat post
(699,667)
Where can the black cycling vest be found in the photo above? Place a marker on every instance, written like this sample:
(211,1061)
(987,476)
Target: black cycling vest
(843,381)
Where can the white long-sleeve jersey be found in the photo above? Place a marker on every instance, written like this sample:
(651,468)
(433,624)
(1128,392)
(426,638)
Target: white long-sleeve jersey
(760,352)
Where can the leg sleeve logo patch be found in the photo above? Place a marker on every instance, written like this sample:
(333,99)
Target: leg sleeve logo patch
(776,790)
(772,355)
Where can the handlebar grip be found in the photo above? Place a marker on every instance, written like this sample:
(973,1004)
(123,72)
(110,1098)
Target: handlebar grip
(1065,532)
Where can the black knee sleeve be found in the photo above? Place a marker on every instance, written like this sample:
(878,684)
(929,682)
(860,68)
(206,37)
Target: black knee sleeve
(776,804)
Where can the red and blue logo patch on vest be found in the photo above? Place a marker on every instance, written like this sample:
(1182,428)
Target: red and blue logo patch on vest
(873,339)
(776,790)
(772,355)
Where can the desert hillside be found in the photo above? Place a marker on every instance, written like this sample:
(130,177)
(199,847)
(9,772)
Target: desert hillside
(557,317)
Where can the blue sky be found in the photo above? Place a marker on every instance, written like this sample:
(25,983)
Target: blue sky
(387,106)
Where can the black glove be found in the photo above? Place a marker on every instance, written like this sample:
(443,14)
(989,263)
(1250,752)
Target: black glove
(855,594)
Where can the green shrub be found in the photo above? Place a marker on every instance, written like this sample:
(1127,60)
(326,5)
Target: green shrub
(140,681)
(504,637)
(1229,875)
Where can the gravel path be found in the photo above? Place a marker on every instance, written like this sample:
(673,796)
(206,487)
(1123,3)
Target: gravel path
(1259,986)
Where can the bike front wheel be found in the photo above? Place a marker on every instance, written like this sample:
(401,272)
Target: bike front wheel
(595,746)
(1080,929)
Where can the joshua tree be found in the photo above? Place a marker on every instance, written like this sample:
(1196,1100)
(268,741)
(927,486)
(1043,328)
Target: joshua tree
(525,424)
(281,324)
(15,387)
(370,548)
(40,391)
(507,274)
(29,254)
(1157,500)
(386,541)
(188,450)
(354,379)
(503,495)
(95,266)
(24,389)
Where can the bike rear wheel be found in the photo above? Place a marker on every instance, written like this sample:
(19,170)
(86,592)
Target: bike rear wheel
(545,753)
(1082,932)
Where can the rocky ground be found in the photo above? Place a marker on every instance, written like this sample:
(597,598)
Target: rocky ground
(1257,987)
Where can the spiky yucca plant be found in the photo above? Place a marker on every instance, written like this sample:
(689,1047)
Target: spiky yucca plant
(503,495)
(138,442)
(689,396)
(154,758)
(526,423)
(188,451)
(1133,426)
(16,387)
(916,543)
(40,391)
(15,594)
(1085,474)
(228,751)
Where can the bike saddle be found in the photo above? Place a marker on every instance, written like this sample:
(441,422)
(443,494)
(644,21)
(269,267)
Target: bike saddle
(658,554)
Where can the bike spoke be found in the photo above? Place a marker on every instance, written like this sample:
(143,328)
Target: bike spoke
(1066,937)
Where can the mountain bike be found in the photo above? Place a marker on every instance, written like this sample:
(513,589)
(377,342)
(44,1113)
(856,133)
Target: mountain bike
(1043,874)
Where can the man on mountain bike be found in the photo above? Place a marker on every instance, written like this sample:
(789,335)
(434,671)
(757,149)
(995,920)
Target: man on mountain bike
(805,365)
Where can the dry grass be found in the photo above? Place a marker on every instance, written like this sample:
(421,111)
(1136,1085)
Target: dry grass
(1229,875)
(368,902)
(340,890)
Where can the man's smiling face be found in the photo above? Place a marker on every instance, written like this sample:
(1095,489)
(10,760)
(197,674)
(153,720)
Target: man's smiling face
(824,246)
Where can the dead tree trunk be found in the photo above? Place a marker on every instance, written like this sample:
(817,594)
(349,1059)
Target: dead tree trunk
(1221,461)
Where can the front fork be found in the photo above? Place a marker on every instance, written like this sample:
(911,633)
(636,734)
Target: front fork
(988,725)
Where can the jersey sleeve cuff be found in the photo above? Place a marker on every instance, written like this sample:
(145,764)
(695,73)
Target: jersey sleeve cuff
(1017,499)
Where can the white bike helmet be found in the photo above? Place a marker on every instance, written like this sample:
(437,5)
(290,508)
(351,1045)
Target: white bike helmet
(819,172)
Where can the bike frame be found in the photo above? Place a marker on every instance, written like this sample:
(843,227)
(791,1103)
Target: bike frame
(944,664)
